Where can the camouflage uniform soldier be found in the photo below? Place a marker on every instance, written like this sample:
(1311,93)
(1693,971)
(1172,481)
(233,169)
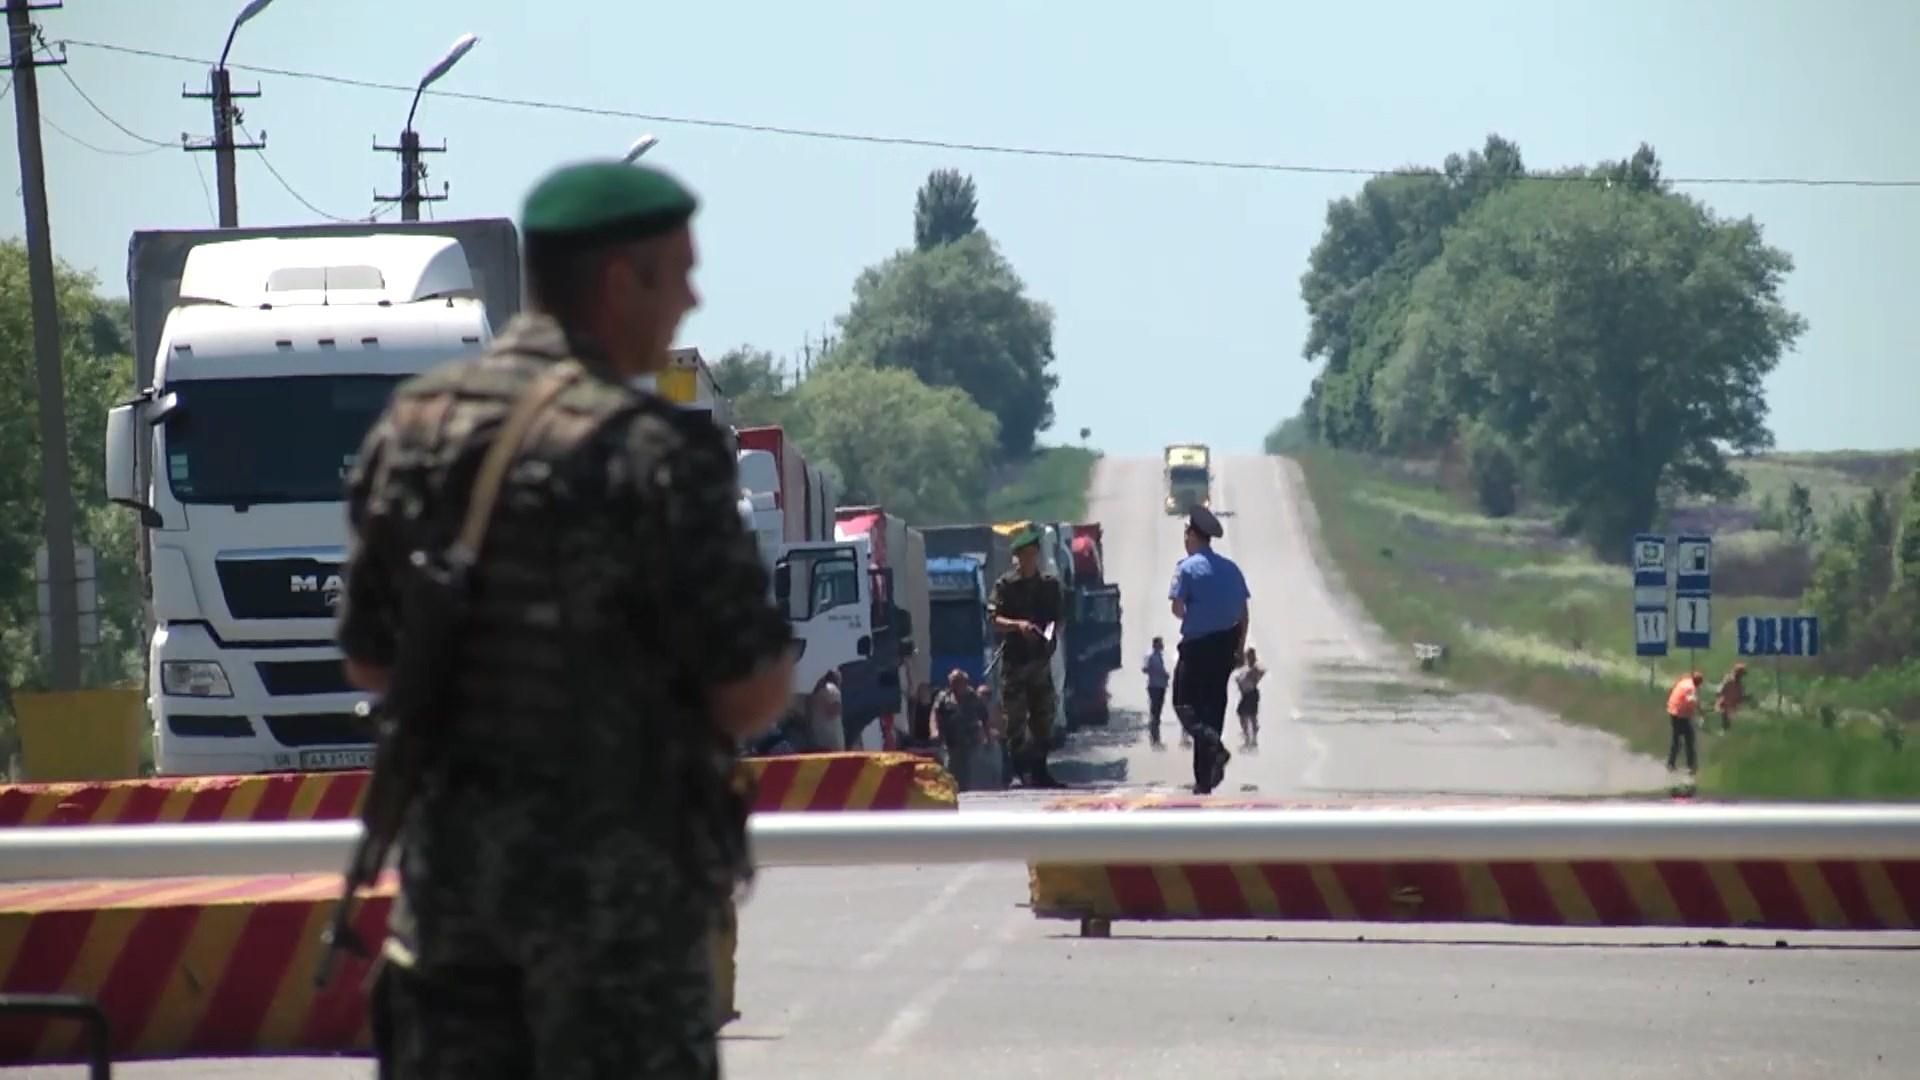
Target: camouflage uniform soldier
(577,832)
(1024,606)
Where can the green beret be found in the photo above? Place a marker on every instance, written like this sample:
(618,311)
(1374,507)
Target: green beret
(606,201)
(1025,537)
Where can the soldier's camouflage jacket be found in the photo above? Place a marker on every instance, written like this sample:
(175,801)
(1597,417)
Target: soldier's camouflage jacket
(580,785)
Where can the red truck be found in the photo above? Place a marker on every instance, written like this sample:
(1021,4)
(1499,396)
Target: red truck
(805,496)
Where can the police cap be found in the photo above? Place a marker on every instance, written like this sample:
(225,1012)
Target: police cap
(606,201)
(1201,520)
(1027,537)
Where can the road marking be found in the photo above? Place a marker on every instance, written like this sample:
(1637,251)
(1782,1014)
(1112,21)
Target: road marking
(916,1012)
(911,928)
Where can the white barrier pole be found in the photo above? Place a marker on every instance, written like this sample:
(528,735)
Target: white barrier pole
(852,838)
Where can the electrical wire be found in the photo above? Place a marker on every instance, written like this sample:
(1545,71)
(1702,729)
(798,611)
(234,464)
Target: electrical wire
(104,115)
(976,147)
(71,137)
(212,214)
(301,199)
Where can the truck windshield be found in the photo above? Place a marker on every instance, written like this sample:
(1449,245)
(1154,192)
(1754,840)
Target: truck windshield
(271,440)
(957,626)
(1189,474)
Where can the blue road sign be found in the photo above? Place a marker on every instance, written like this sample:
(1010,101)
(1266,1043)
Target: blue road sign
(1779,635)
(1693,592)
(1650,563)
(1693,568)
(1650,629)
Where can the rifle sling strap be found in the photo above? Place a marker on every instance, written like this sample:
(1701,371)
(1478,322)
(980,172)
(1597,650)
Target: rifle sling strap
(493,468)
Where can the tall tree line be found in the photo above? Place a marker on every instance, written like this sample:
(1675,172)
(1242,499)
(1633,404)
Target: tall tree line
(1589,335)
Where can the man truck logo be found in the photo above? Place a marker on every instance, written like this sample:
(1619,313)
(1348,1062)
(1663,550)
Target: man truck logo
(329,588)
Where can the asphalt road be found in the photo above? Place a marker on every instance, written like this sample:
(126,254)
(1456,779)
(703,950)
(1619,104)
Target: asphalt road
(942,972)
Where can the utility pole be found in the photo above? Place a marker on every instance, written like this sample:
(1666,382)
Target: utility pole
(413,173)
(56,483)
(225,117)
(412,170)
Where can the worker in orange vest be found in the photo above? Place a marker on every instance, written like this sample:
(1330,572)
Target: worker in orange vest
(1682,701)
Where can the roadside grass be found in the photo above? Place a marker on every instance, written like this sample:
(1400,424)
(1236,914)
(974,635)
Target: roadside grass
(1532,616)
(1049,486)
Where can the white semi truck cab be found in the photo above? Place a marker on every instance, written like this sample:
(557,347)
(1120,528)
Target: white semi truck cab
(818,584)
(276,359)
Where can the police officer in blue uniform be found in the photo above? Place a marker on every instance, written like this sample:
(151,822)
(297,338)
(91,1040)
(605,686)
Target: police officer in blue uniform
(1209,596)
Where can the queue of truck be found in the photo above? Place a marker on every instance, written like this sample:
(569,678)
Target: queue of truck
(262,358)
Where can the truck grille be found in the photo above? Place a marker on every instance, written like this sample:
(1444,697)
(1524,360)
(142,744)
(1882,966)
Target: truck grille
(290,677)
(319,729)
(279,588)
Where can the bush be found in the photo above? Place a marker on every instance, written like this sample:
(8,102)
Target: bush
(1493,472)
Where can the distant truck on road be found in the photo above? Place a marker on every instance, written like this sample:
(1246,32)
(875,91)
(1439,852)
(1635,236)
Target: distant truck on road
(1189,477)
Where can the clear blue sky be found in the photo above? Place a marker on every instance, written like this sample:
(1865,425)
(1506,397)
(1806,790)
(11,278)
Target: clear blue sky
(1170,284)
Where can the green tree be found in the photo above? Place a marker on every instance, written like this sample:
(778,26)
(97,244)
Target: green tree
(1907,555)
(958,316)
(1801,523)
(753,381)
(921,451)
(1618,339)
(98,371)
(1878,532)
(944,210)
(1291,435)
(1359,279)
(1837,593)
(1493,471)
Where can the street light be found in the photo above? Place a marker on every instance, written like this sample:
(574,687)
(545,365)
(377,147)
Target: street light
(412,172)
(225,118)
(640,146)
(461,47)
(253,8)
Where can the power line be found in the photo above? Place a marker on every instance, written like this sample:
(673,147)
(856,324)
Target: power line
(943,144)
(205,190)
(302,199)
(71,137)
(104,115)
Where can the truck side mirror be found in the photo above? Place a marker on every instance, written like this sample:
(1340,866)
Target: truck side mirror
(122,481)
(782,581)
(906,647)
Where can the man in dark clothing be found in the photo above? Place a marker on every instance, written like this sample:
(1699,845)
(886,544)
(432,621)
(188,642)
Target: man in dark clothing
(1156,672)
(1209,596)
(1025,609)
(567,864)
(960,714)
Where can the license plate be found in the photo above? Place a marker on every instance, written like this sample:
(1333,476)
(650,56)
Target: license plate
(350,758)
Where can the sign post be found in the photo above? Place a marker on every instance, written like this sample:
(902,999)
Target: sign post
(1650,598)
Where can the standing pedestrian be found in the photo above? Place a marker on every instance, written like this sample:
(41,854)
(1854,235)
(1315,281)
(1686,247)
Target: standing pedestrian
(960,714)
(827,734)
(1024,607)
(1682,702)
(1731,696)
(1209,596)
(1249,710)
(1156,672)
(576,834)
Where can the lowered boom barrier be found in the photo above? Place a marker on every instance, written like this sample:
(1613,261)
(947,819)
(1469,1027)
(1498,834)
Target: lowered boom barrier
(853,838)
